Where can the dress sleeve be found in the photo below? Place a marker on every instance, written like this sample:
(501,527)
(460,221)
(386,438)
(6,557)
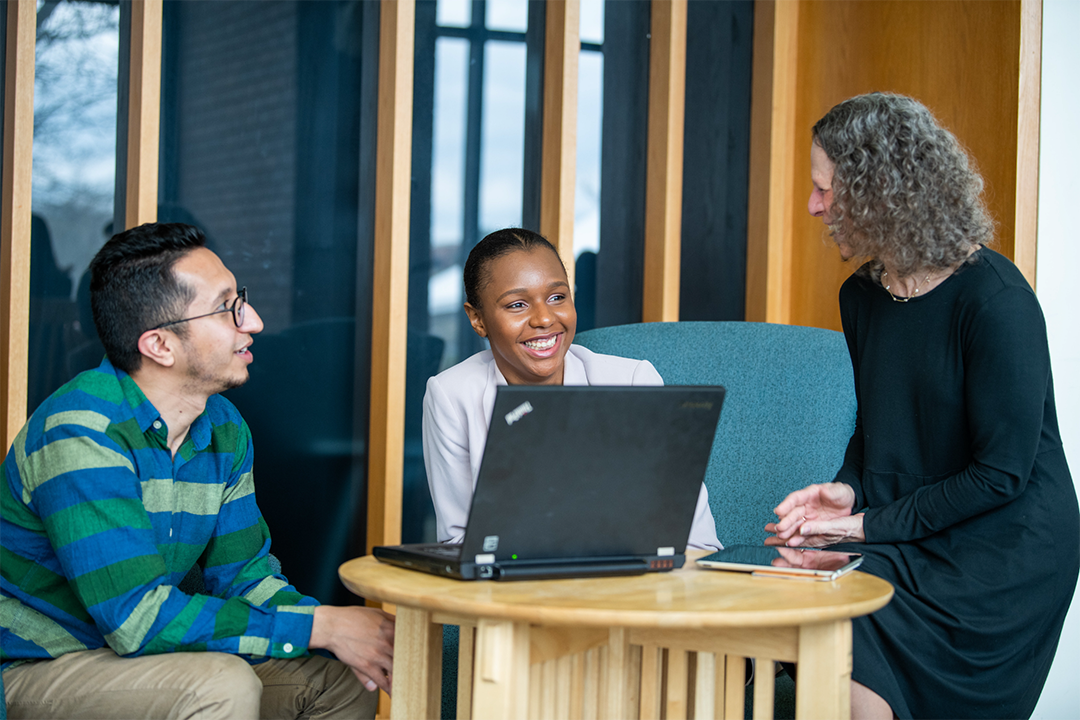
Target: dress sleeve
(88,497)
(850,473)
(446,458)
(1006,380)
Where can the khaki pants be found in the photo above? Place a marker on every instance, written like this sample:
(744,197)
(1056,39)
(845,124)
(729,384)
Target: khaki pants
(205,685)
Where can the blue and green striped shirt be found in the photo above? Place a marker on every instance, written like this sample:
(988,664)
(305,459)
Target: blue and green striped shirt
(99,523)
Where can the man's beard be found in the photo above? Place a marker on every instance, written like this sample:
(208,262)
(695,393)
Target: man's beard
(201,377)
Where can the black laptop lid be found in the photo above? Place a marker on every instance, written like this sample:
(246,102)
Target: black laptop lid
(577,472)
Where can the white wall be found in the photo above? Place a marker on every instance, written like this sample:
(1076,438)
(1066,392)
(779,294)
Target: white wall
(1058,286)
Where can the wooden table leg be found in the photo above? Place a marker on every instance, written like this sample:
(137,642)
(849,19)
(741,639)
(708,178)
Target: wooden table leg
(824,686)
(764,688)
(734,686)
(705,686)
(501,679)
(652,676)
(417,665)
(618,686)
(678,685)
(466,646)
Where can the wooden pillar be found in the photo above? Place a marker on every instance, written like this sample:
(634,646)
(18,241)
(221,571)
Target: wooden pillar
(772,148)
(1027,139)
(15,214)
(664,164)
(390,306)
(562,45)
(144,113)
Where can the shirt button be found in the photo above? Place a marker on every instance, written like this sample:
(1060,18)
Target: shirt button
(157,424)
(287,648)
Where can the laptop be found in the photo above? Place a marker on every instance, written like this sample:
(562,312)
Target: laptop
(581,482)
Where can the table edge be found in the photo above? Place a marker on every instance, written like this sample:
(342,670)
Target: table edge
(601,617)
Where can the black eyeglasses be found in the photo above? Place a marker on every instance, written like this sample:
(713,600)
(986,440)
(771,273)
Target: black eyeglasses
(237,310)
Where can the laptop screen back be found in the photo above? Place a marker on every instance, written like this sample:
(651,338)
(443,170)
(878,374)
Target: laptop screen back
(591,471)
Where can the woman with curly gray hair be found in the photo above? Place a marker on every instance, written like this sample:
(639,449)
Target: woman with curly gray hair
(954,486)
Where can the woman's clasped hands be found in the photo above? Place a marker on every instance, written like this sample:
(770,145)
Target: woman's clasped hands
(816,516)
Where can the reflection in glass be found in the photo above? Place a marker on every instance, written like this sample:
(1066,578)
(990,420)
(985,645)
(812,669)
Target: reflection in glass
(75,80)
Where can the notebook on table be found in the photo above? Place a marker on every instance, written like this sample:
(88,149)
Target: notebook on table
(581,482)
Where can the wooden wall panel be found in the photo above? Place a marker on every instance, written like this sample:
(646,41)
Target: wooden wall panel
(962,59)
(15,215)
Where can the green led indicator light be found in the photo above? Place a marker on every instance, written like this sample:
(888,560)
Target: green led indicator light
(514,557)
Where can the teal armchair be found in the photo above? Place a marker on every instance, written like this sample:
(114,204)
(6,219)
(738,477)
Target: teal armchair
(787,417)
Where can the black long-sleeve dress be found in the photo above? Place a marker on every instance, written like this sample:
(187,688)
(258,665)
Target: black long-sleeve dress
(971,512)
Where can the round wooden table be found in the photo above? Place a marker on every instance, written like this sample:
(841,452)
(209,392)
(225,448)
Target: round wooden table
(521,624)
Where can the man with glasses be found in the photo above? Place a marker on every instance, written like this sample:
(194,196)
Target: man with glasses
(131,475)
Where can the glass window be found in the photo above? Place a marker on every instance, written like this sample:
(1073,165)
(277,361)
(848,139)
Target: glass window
(512,15)
(592,21)
(454,13)
(448,160)
(589,126)
(502,136)
(264,108)
(444,292)
(75,82)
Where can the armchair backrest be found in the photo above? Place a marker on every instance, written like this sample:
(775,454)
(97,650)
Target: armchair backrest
(788,414)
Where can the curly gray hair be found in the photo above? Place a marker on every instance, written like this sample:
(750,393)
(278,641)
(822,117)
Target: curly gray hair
(903,187)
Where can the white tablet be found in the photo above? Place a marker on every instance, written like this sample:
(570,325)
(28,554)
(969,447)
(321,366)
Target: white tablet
(808,563)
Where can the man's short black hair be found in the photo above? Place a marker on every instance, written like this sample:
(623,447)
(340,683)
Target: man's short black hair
(133,288)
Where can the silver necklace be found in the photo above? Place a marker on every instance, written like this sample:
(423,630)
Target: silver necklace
(902,299)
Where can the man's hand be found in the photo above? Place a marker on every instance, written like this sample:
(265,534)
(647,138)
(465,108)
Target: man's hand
(362,638)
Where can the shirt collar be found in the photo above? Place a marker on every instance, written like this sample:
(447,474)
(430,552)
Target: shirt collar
(146,414)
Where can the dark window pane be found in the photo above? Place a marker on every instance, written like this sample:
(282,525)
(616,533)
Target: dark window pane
(266,109)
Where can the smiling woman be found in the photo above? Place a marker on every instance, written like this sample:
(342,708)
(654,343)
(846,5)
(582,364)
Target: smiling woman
(518,298)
